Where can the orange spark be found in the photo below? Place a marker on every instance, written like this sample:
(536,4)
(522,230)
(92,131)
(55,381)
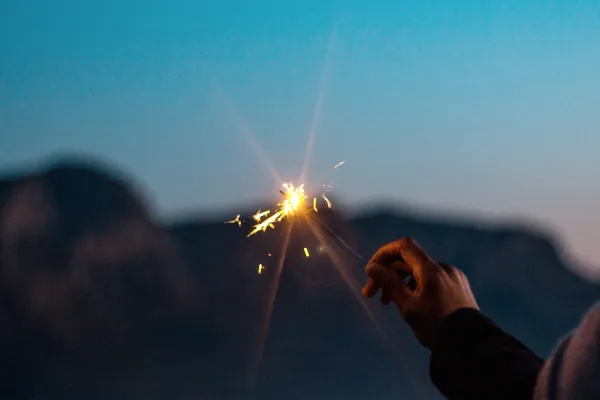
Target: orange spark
(236,220)
(259,215)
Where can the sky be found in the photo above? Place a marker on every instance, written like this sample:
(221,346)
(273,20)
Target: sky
(479,108)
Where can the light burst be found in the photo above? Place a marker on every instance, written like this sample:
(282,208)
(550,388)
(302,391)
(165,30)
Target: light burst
(295,201)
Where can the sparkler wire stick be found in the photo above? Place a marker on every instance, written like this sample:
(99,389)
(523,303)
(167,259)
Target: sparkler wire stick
(339,239)
(408,279)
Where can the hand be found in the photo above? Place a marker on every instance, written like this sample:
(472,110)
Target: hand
(438,289)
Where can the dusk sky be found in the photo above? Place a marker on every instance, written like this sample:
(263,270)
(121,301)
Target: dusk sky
(474,107)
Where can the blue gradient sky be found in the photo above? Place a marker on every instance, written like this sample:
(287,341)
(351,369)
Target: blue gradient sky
(487,107)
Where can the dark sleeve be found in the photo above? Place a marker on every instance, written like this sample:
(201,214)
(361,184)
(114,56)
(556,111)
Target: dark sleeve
(474,359)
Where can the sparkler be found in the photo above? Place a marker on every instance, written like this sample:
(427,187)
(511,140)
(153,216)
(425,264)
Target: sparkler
(295,201)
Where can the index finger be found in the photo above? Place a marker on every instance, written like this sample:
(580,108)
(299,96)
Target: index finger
(405,250)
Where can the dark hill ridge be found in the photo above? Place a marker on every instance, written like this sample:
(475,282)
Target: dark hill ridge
(97,300)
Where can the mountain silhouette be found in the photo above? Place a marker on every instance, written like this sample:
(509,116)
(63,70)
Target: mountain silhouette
(98,300)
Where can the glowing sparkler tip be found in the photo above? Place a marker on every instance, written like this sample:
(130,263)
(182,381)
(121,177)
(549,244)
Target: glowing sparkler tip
(294,201)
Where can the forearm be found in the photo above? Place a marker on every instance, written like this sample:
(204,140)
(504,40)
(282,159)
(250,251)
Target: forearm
(474,359)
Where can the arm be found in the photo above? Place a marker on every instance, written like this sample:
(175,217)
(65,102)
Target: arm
(473,358)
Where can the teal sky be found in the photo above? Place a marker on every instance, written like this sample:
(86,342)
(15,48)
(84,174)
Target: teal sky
(477,107)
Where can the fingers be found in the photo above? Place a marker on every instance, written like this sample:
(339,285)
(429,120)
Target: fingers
(388,254)
(384,278)
(454,273)
(408,253)
(405,250)
(381,275)
(370,288)
(451,270)
(389,279)
(414,255)
(401,269)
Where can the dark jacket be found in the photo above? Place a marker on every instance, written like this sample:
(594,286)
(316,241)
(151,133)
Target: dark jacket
(475,359)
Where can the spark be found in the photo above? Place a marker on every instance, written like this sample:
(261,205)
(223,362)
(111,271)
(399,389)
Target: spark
(270,254)
(236,220)
(260,268)
(306,252)
(339,164)
(315,204)
(259,215)
(327,201)
(294,201)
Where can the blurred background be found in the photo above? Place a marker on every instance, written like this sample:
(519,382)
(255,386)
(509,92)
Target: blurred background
(131,131)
